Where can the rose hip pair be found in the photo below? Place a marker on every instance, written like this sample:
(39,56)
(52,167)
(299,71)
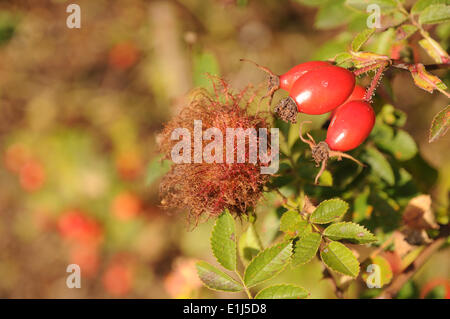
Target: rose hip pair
(317,87)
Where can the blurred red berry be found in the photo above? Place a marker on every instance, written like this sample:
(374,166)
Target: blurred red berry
(126,206)
(129,165)
(15,157)
(77,227)
(32,176)
(183,279)
(123,55)
(118,279)
(87,257)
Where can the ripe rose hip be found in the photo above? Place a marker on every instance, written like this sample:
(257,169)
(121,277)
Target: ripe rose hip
(350,126)
(288,79)
(322,151)
(317,92)
(358,93)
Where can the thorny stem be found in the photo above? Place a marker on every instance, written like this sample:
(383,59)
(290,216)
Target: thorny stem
(375,81)
(405,66)
(247,291)
(366,69)
(380,66)
(399,64)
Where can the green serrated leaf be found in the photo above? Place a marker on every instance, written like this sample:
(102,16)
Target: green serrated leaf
(349,231)
(421,5)
(282,291)
(329,211)
(379,165)
(440,124)
(249,245)
(267,264)
(340,259)
(215,279)
(434,50)
(362,59)
(223,241)
(385,5)
(361,38)
(306,248)
(425,80)
(292,224)
(435,14)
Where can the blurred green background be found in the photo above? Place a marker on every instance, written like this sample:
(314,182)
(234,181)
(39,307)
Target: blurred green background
(79,114)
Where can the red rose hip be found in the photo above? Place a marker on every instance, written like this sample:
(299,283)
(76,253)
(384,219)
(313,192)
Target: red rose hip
(323,89)
(350,126)
(288,79)
(317,92)
(359,93)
